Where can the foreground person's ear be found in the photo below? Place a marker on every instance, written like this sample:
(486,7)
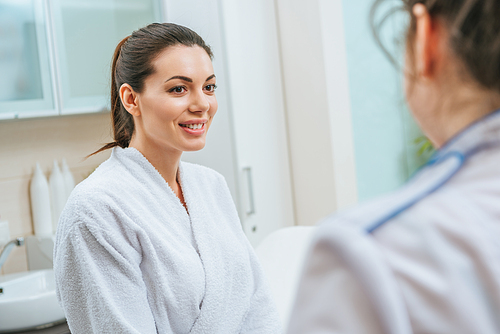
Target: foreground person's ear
(129,100)
(427,43)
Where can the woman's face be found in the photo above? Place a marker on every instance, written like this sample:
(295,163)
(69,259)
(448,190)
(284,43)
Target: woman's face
(178,101)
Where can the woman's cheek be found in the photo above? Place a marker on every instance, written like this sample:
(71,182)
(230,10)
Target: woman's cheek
(214,106)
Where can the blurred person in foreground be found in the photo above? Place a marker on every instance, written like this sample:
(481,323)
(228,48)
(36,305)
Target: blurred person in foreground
(425,259)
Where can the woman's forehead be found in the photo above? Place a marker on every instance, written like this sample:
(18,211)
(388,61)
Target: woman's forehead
(183,60)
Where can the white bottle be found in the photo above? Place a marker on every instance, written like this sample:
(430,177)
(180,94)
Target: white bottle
(40,204)
(4,232)
(57,194)
(69,181)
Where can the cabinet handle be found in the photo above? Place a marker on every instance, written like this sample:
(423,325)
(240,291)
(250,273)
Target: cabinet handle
(251,204)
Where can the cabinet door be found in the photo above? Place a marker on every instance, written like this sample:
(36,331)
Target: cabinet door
(86,33)
(25,76)
(259,123)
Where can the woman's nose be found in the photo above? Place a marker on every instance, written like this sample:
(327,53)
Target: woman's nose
(199,102)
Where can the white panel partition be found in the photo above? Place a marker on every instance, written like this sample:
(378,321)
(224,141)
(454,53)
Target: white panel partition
(339,102)
(316,86)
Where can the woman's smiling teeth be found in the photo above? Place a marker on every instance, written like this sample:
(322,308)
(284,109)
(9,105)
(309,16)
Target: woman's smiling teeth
(193,126)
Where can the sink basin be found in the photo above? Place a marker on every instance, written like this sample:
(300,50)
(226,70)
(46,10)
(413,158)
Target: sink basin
(28,300)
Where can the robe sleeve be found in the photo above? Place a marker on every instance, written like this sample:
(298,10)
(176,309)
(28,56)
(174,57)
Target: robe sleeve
(347,288)
(99,283)
(262,315)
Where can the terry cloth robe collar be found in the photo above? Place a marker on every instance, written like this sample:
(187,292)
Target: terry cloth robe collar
(133,160)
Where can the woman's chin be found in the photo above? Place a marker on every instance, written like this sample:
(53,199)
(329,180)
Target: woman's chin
(193,147)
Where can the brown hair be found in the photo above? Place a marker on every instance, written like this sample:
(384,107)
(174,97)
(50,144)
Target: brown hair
(474,28)
(132,64)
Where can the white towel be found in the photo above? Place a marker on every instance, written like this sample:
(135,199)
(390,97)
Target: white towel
(129,259)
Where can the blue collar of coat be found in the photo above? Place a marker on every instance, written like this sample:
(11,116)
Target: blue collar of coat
(445,163)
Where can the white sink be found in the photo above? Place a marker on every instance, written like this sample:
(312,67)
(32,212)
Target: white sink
(28,300)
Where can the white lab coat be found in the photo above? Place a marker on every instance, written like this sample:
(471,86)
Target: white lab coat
(425,259)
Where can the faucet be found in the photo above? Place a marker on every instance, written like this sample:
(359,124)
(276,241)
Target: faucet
(8,248)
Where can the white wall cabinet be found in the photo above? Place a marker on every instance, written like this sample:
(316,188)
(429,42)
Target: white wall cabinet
(86,33)
(55,55)
(26,80)
(247,142)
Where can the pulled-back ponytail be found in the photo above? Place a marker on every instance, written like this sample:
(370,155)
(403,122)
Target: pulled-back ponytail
(123,123)
(132,64)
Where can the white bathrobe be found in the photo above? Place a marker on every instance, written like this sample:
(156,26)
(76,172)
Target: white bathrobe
(425,259)
(129,259)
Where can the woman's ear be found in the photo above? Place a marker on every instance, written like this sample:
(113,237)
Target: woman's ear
(129,99)
(427,39)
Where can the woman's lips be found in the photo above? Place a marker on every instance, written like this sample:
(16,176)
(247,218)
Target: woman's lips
(193,128)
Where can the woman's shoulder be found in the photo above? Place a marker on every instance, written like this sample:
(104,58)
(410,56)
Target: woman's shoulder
(93,187)
(96,195)
(109,177)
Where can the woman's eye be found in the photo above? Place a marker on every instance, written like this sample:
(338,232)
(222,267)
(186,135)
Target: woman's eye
(211,88)
(177,89)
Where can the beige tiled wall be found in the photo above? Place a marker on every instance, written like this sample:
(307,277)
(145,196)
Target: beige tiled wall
(25,142)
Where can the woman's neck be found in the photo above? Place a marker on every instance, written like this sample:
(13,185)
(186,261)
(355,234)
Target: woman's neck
(165,161)
(455,112)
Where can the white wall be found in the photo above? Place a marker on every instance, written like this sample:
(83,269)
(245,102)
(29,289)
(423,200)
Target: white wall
(318,108)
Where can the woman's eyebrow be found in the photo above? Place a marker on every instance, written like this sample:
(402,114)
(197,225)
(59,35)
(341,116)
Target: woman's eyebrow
(180,77)
(186,78)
